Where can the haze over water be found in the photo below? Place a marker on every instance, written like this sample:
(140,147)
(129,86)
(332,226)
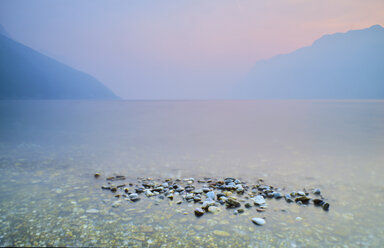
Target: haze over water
(51,149)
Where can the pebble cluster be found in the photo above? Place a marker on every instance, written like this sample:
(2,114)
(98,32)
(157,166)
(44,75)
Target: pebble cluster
(210,194)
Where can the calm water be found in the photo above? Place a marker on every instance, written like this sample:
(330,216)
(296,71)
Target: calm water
(49,151)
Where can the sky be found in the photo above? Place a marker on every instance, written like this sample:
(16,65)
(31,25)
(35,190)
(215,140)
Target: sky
(174,49)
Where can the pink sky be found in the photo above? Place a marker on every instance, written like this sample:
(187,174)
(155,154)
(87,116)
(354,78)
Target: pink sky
(177,48)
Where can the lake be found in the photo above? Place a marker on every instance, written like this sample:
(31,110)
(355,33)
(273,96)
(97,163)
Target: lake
(50,151)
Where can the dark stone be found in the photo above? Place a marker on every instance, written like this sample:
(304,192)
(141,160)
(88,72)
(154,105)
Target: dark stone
(318,202)
(139,190)
(240,210)
(303,199)
(232,203)
(248,205)
(199,212)
(326,206)
(229,180)
(218,195)
(189,188)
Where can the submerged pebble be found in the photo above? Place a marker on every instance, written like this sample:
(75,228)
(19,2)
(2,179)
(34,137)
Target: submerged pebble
(92,211)
(258,221)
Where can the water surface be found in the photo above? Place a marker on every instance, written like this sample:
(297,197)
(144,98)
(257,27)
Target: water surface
(49,151)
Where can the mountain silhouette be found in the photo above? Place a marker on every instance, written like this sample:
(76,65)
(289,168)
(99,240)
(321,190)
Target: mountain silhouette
(339,66)
(27,74)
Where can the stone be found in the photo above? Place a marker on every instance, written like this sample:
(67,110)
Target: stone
(211,195)
(199,212)
(229,180)
(240,210)
(92,211)
(221,233)
(165,185)
(206,190)
(288,198)
(139,190)
(97,175)
(318,202)
(232,202)
(326,206)
(258,221)
(189,188)
(134,197)
(239,188)
(206,204)
(148,193)
(258,200)
(303,199)
(198,191)
(316,191)
(277,195)
(197,198)
(170,196)
(248,205)
(116,204)
(213,209)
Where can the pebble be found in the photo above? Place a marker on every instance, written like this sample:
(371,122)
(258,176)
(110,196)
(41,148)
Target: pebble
(240,210)
(277,195)
(206,204)
(258,221)
(198,191)
(199,212)
(326,206)
(116,204)
(134,197)
(316,191)
(214,209)
(232,202)
(92,211)
(211,195)
(221,233)
(258,200)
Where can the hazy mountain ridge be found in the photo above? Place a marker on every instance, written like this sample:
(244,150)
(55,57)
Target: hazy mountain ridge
(27,74)
(342,65)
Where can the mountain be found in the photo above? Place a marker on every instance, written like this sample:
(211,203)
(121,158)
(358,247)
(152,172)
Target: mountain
(4,32)
(339,66)
(27,74)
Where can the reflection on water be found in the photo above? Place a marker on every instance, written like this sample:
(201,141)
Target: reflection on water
(49,151)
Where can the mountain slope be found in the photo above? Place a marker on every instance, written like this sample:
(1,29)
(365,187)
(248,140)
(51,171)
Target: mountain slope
(343,65)
(27,74)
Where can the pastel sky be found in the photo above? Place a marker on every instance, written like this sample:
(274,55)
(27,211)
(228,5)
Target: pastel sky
(177,49)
